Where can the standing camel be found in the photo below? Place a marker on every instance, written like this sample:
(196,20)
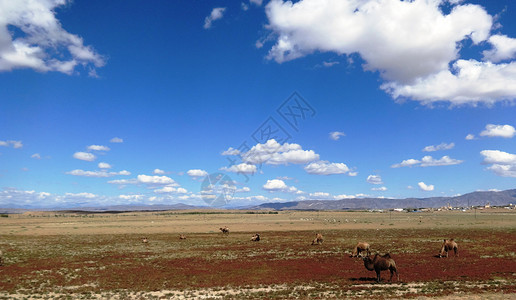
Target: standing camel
(449,245)
(361,247)
(318,239)
(381,263)
(225,230)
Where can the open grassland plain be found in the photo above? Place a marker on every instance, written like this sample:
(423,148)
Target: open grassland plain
(49,255)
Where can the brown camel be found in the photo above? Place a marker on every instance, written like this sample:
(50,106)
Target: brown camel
(318,239)
(381,263)
(255,237)
(182,237)
(225,230)
(448,245)
(361,247)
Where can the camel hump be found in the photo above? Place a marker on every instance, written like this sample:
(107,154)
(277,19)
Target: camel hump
(451,240)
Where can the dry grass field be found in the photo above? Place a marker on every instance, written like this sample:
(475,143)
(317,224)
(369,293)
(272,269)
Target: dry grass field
(49,255)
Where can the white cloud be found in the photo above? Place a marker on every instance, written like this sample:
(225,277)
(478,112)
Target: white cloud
(275,185)
(42,44)
(242,168)
(335,135)
(406,163)
(502,163)
(273,153)
(415,58)
(470,137)
(256,2)
(116,140)
(231,151)
(197,173)
(469,81)
(442,146)
(98,148)
(425,187)
(374,179)
(103,165)
(102,173)
(382,189)
(171,189)
(81,195)
(156,180)
(216,13)
(14,144)
(505,131)
(36,156)
(504,48)
(326,168)
(428,161)
(158,172)
(148,180)
(84,156)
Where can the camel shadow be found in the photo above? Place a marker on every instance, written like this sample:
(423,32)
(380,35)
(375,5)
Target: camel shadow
(364,279)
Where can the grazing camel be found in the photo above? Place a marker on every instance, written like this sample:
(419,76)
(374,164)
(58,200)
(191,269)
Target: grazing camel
(381,263)
(318,239)
(182,237)
(255,237)
(224,230)
(145,240)
(361,247)
(448,245)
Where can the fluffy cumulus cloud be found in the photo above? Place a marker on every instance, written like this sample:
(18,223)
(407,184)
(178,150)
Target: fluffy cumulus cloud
(158,172)
(197,173)
(505,131)
(335,135)
(326,168)
(417,61)
(103,165)
(14,144)
(504,48)
(39,41)
(274,153)
(442,146)
(428,161)
(278,185)
(98,148)
(502,163)
(242,168)
(425,187)
(84,156)
(216,14)
(374,179)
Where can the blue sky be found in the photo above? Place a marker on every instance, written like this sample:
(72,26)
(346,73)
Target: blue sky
(125,102)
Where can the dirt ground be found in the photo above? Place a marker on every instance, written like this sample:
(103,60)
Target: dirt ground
(102,256)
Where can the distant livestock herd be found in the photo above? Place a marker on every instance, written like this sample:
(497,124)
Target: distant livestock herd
(375,263)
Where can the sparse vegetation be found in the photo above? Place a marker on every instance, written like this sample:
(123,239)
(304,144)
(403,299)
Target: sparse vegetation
(105,258)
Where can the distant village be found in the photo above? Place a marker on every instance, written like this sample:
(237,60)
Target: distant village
(450,207)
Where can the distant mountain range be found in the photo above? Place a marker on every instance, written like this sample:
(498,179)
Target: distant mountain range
(472,199)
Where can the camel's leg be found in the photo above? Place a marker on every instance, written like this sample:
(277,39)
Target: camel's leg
(378,276)
(456,251)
